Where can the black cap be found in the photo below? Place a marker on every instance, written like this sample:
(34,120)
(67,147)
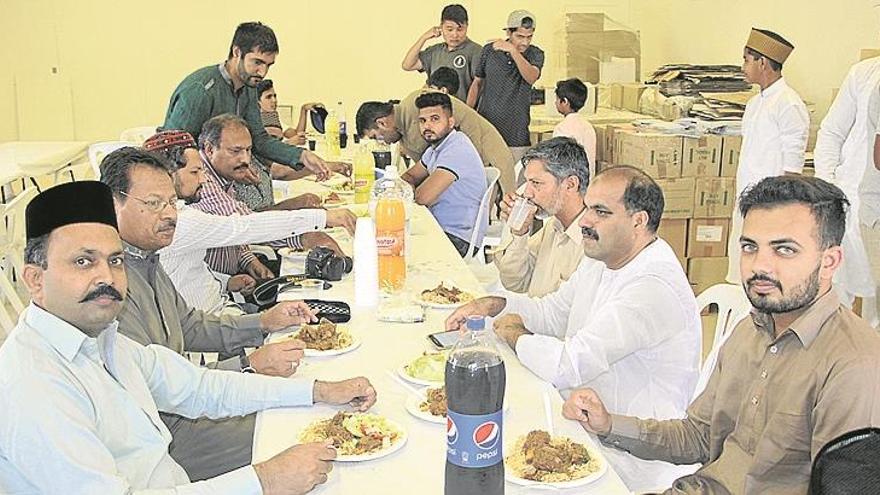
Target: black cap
(86,201)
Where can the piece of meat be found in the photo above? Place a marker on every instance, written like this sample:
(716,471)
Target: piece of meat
(577,453)
(338,434)
(322,336)
(367,444)
(548,458)
(437,401)
(536,438)
(338,418)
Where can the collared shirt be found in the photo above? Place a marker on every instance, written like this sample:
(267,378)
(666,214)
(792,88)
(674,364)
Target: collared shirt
(505,96)
(209,92)
(86,411)
(632,334)
(538,264)
(462,59)
(770,405)
(775,128)
(581,130)
(484,136)
(197,231)
(457,207)
(217,198)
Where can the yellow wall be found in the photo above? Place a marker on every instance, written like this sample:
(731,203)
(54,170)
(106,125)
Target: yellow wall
(116,62)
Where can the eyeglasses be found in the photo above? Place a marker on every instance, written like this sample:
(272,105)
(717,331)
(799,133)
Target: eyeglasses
(154,205)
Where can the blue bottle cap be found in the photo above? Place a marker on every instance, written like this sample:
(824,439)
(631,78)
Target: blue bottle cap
(476,323)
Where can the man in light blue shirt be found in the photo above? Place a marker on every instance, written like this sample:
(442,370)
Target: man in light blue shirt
(449,179)
(82,401)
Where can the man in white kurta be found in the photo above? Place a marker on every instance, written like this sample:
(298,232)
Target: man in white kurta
(844,151)
(775,126)
(626,321)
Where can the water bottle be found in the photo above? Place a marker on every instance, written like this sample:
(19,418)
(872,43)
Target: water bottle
(475,380)
(343,128)
(390,184)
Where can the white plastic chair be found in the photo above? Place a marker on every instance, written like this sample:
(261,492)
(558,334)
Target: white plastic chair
(137,135)
(492,175)
(98,151)
(11,305)
(14,222)
(733,306)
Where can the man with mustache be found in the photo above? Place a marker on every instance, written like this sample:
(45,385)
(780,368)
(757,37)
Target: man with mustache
(82,401)
(230,87)
(625,323)
(800,372)
(449,179)
(557,174)
(155,313)
(196,232)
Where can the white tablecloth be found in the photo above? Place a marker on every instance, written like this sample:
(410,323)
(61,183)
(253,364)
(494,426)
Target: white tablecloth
(419,466)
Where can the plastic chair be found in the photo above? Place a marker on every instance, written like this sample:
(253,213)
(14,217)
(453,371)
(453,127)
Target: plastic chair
(137,135)
(11,305)
(13,219)
(733,306)
(492,175)
(98,151)
(848,465)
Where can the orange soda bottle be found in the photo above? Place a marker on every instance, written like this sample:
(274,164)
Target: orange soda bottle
(390,243)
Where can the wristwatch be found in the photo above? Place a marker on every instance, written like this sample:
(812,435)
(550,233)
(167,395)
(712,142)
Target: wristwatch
(245,363)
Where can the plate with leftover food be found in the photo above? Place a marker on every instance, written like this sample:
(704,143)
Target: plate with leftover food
(357,436)
(444,296)
(429,369)
(557,461)
(431,408)
(326,338)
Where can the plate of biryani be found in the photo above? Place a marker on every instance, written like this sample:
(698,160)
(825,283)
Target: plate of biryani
(429,369)
(335,198)
(557,461)
(444,296)
(357,436)
(432,407)
(326,338)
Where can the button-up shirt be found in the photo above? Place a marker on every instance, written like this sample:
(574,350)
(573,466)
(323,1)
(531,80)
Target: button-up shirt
(771,404)
(632,334)
(539,263)
(209,92)
(85,418)
(775,128)
(184,258)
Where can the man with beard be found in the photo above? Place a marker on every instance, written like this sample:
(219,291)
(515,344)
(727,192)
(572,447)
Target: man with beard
(800,372)
(449,179)
(625,323)
(557,174)
(83,401)
(196,232)
(231,87)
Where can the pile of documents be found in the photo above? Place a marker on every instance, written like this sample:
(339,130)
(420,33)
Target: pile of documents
(691,80)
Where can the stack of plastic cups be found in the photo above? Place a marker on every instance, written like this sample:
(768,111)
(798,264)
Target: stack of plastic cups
(366,264)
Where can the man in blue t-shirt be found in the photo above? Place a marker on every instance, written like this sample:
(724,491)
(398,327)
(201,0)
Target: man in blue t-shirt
(449,179)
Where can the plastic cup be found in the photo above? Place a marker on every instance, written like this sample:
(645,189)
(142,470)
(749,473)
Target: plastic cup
(520,212)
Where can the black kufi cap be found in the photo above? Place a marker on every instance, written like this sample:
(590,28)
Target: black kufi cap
(86,201)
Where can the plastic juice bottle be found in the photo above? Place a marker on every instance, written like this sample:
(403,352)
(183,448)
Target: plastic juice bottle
(391,243)
(364,175)
(331,134)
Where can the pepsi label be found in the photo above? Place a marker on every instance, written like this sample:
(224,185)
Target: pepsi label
(473,441)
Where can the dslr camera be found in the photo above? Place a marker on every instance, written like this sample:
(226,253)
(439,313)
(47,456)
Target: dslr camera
(324,264)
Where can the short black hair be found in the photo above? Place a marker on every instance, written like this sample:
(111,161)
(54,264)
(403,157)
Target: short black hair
(36,251)
(445,77)
(263,86)
(574,91)
(116,167)
(434,99)
(642,193)
(369,112)
(455,13)
(212,129)
(826,201)
(250,36)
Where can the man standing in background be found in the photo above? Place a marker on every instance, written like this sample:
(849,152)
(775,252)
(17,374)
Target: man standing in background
(457,50)
(502,88)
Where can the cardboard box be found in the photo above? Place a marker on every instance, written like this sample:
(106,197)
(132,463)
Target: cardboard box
(707,237)
(631,95)
(675,232)
(600,142)
(702,156)
(659,155)
(611,137)
(678,197)
(714,197)
(616,95)
(706,272)
(730,155)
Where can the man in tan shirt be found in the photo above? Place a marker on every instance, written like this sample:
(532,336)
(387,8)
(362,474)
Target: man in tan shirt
(802,371)
(557,175)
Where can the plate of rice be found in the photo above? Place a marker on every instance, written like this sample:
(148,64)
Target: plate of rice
(357,436)
(557,462)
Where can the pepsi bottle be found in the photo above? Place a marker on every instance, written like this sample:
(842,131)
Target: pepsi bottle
(475,380)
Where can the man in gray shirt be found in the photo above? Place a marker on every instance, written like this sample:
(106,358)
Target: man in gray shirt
(457,50)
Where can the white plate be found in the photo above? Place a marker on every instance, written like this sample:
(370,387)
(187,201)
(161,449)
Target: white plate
(603,466)
(412,406)
(355,343)
(401,441)
(418,381)
(418,298)
(292,255)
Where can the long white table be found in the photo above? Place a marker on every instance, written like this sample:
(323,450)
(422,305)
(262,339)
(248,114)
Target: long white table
(419,466)
(32,159)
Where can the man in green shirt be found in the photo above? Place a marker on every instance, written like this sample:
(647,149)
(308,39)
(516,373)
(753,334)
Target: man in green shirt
(231,87)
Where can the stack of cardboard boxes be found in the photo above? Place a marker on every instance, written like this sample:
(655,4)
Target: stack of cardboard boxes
(697,177)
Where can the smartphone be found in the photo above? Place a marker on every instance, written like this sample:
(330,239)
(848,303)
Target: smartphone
(444,340)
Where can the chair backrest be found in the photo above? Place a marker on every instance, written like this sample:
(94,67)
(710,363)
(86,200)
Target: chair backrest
(11,305)
(98,151)
(13,219)
(137,135)
(492,175)
(849,464)
(733,306)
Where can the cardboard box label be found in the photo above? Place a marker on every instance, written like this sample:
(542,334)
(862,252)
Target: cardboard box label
(714,197)
(678,197)
(709,233)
